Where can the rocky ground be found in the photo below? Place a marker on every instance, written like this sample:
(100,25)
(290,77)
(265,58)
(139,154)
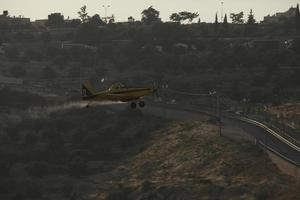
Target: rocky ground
(190,161)
(288,113)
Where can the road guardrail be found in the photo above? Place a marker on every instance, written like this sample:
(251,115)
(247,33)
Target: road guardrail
(269,130)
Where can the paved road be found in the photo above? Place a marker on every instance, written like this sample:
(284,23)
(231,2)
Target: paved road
(268,139)
(230,125)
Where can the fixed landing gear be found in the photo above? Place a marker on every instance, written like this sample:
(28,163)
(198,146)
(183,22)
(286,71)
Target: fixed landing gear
(134,104)
(142,104)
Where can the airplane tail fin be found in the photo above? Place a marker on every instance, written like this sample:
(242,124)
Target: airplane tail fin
(87,89)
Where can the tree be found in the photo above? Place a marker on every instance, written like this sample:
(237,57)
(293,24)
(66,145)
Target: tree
(78,166)
(131,19)
(73,23)
(170,33)
(83,14)
(111,20)
(192,16)
(4,169)
(12,53)
(32,54)
(251,19)
(49,73)
(45,37)
(175,17)
(150,15)
(216,24)
(297,18)
(225,26)
(18,71)
(38,169)
(182,16)
(216,19)
(225,20)
(60,60)
(96,20)
(237,18)
(251,27)
(87,33)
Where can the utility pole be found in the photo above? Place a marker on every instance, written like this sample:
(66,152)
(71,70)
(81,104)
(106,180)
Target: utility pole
(80,81)
(219,114)
(212,95)
(222,11)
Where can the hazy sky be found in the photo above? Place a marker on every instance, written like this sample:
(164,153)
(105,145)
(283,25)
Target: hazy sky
(39,9)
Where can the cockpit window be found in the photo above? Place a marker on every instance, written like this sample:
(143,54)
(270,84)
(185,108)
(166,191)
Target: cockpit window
(116,86)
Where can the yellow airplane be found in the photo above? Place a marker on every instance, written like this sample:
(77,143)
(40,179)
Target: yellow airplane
(117,92)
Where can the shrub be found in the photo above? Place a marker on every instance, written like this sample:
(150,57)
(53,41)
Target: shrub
(38,169)
(4,169)
(78,166)
(18,171)
(33,190)
(121,193)
(12,53)
(49,73)
(262,194)
(18,71)
(31,139)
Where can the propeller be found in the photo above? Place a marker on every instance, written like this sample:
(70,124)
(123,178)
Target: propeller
(156,90)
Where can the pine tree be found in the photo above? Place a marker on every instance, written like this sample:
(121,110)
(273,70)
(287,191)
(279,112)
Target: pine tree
(251,19)
(216,25)
(225,27)
(216,20)
(225,19)
(297,18)
(251,26)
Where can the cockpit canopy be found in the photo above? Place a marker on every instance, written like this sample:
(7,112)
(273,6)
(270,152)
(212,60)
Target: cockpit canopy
(116,86)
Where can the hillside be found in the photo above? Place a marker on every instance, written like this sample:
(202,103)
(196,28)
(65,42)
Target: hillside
(190,161)
(288,113)
(70,152)
(50,152)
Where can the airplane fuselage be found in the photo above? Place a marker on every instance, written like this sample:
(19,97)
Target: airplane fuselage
(123,94)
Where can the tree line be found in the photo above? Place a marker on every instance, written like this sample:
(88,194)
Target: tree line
(151,15)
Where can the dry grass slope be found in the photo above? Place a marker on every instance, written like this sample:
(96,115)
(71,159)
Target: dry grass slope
(190,161)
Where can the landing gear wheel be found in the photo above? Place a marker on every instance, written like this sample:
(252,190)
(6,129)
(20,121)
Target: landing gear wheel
(133,105)
(142,104)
